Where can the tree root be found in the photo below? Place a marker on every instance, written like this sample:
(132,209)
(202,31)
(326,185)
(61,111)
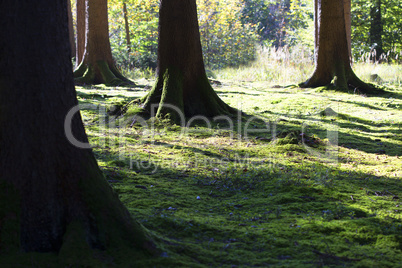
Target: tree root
(100,73)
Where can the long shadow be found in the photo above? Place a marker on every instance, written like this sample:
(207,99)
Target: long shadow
(254,200)
(382,142)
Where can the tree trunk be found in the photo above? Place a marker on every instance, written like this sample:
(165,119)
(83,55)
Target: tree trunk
(376,31)
(53,195)
(127,28)
(332,56)
(80,31)
(71,29)
(97,65)
(347,5)
(181,78)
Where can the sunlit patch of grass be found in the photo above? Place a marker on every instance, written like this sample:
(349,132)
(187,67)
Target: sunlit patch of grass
(214,198)
(285,66)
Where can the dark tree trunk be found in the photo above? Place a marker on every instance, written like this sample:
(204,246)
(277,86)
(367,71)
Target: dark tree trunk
(127,28)
(332,53)
(80,10)
(181,78)
(347,4)
(97,65)
(376,31)
(53,195)
(71,29)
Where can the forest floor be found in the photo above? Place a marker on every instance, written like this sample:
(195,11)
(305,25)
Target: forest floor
(314,181)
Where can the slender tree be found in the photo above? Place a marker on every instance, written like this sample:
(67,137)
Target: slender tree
(71,29)
(332,54)
(376,30)
(53,196)
(126,27)
(80,11)
(97,65)
(181,78)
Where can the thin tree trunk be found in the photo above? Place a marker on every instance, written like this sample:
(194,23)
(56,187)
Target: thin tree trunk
(316,28)
(71,29)
(181,79)
(80,31)
(53,196)
(127,28)
(376,30)
(332,53)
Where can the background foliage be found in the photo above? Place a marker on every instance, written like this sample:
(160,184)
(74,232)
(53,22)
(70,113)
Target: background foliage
(233,32)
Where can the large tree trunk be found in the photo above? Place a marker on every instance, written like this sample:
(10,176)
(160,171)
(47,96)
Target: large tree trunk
(53,195)
(332,54)
(97,65)
(80,10)
(347,5)
(181,78)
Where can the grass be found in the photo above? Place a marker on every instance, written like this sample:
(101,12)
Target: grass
(279,197)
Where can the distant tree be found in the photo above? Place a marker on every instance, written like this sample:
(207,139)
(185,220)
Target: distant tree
(97,65)
(181,78)
(71,29)
(126,27)
(271,18)
(80,11)
(331,50)
(376,30)
(53,196)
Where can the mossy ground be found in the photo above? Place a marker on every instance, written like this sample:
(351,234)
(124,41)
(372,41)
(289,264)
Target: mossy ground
(214,197)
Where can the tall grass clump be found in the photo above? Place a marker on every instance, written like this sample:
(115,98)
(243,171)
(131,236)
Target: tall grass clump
(282,65)
(292,65)
(387,71)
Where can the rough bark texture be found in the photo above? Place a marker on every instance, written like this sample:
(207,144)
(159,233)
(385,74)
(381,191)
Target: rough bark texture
(52,194)
(80,10)
(331,55)
(347,4)
(97,65)
(181,78)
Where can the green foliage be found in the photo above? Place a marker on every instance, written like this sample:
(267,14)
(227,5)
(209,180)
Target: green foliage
(300,29)
(271,18)
(225,40)
(391,19)
(143,24)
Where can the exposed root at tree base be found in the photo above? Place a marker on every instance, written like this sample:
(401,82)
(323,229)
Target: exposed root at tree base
(100,73)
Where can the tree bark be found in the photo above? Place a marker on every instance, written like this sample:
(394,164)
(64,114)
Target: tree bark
(348,23)
(80,6)
(376,31)
(331,55)
(127,28)
(181,78)
(97,65)
(53,195)
(71,29)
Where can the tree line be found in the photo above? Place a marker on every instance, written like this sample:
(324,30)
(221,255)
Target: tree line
(231,29)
